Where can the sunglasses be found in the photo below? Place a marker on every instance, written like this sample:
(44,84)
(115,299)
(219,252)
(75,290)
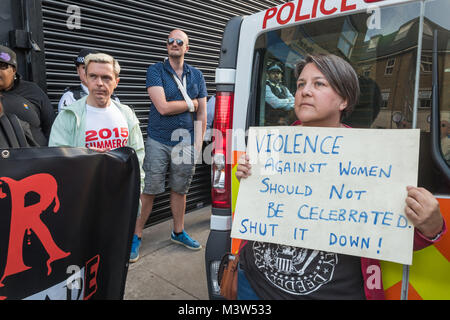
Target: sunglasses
(4,66)
(170,41)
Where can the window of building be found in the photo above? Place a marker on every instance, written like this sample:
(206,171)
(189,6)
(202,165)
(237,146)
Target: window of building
(403,31)
(384,99)
(366,72)
(373,43)
(425,99)
(347,38)
(426,64)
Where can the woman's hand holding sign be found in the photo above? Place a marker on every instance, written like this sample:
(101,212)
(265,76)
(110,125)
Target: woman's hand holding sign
(422,209)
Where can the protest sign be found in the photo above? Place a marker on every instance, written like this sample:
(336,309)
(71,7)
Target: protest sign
(332,189)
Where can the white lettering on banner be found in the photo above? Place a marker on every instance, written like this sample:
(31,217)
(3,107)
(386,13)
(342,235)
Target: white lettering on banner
(330,189)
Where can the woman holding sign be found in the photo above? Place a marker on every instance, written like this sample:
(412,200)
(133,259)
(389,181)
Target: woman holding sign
(327,89)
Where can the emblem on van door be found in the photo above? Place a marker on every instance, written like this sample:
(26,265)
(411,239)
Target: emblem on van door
(294,270)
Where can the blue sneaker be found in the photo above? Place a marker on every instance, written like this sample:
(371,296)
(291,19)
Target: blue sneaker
(185,240)
(135,244)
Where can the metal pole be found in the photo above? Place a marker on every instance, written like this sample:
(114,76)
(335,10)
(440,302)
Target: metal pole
(405,278)
(405,283)
(418,64)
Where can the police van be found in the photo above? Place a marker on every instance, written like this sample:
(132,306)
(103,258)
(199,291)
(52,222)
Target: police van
(400,50)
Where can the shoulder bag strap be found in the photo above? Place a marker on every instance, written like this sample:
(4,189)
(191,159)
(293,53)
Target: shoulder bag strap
(9,132)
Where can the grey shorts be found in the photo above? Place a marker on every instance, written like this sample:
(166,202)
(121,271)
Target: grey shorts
(177,160)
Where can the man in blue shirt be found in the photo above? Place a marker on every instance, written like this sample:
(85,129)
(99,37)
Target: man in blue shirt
(172,140)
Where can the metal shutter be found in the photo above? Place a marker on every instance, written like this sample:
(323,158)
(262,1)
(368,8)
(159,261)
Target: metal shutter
(135,33)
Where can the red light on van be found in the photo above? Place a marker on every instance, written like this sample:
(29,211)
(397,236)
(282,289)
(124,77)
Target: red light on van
(221,154)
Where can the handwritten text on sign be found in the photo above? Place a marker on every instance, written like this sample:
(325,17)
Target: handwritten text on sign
(332,189)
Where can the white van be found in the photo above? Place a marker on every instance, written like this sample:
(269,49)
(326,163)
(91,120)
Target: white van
(401,52)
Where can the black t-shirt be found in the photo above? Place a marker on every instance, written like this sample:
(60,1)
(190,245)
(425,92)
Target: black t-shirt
(30,104)
(284,272)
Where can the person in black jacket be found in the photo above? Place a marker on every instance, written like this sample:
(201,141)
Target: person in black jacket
(25,99)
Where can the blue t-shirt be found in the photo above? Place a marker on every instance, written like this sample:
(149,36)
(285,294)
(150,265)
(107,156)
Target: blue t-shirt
(160,128)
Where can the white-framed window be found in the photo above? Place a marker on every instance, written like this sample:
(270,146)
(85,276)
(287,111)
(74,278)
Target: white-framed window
(384,99)
(373,42)
(366,72)
(403,31)
(347,38)
(425,98)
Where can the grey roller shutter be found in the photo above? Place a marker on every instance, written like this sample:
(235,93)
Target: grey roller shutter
(135,33)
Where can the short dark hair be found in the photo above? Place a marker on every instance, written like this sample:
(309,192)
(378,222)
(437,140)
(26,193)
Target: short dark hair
(340,75)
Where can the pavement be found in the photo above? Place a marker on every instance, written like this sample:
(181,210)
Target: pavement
(169,271)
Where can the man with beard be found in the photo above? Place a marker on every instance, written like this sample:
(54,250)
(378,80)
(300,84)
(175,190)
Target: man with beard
(178,94)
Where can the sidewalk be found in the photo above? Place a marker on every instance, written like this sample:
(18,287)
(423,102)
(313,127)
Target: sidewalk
(166,270)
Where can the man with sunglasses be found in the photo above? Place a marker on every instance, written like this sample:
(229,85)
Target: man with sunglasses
(178,94)
(25,99)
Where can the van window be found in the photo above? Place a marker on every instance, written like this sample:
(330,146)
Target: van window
(383,53)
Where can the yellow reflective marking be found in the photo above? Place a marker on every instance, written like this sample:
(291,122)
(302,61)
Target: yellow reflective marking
(430,274)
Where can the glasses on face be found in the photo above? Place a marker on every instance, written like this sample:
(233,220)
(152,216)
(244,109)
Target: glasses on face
(4,66)
(179,42)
